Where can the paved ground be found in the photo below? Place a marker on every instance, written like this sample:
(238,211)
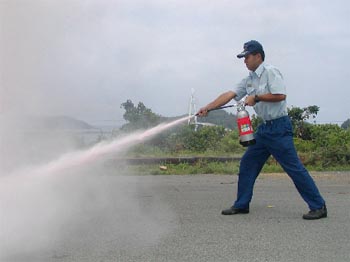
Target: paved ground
(177,218)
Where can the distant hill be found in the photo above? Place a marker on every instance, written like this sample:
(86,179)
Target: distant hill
(46,123)
(65,122)
(220,118)
(346,124)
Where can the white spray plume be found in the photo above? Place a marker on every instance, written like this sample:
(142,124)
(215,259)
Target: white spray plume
(85,156)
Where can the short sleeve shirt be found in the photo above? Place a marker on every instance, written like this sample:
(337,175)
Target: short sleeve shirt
(266,79)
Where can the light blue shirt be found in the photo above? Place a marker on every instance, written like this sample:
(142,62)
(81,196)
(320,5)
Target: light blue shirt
(266,79)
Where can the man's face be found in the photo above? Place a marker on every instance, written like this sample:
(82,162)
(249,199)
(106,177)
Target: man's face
(252,61)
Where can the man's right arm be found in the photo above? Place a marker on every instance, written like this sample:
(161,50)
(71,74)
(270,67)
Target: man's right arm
(219,101)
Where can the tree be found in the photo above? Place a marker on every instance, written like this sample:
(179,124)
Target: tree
(256,121)
(298,117)
(298,114)
(139,117)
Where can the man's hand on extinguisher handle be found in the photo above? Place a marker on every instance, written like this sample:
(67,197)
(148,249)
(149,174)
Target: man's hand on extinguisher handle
(203,111)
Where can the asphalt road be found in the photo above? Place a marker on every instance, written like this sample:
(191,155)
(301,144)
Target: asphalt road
(105,217)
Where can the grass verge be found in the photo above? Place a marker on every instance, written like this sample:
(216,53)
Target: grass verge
(204,167)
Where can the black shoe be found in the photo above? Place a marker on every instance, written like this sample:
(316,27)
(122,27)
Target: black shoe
(316,214)
(234,211)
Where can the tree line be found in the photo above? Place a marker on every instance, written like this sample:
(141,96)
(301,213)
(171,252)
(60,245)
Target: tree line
(323,145)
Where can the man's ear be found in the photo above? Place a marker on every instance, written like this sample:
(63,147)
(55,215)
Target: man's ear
(260,56)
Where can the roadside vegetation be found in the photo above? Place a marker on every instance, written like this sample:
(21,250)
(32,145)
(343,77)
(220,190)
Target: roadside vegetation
(321,147)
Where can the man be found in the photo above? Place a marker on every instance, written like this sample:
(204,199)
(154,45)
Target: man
(265,90)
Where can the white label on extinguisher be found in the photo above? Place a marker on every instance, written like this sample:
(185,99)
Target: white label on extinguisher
(245,128)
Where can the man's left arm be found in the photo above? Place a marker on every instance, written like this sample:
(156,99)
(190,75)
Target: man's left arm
(252,100)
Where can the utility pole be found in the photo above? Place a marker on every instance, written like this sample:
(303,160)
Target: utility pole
(192,119)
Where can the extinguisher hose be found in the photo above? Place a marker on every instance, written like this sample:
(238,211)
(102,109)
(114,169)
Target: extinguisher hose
(220,107)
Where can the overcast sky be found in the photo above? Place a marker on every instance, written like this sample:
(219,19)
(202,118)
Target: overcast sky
(83,58)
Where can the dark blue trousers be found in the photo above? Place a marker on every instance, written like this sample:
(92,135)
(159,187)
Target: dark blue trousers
(275,138)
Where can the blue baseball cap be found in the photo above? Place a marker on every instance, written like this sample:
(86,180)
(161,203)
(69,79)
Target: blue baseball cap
(250,47)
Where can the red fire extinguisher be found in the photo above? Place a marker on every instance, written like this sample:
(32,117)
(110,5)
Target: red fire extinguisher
(246,136)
